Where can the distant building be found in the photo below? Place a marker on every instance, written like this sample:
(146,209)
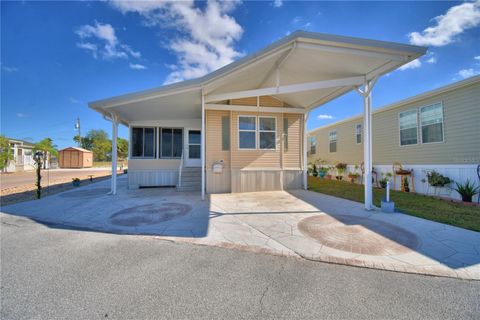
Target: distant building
(23,156)
(436,130)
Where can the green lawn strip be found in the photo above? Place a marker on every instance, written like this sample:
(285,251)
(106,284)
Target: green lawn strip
(444,211)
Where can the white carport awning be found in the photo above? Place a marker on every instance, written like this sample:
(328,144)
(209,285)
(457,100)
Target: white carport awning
(304,70)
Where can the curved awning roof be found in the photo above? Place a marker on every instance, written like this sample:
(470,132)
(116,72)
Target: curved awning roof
(304,69)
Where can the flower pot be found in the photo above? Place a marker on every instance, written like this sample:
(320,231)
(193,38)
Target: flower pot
(339,178)
(321,174)
(466,198)
(76,183)
(406,189)
(315,174)
(329,176)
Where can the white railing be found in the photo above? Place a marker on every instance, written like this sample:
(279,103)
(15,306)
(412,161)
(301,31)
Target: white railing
(180,171)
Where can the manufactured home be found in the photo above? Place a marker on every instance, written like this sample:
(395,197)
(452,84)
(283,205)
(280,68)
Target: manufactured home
(436,130)
(242,128)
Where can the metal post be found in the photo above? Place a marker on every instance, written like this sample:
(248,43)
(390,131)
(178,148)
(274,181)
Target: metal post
(114,154)
(367,146)
(202,147)
(305,179)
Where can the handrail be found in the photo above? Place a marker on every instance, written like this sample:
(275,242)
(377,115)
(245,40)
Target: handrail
(180,170)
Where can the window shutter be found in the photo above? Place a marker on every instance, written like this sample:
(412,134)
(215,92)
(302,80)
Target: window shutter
(226,133)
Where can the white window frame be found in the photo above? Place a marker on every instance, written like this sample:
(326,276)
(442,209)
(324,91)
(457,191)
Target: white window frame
(243,130)
(358,133)
(399,129)
(161,144)
(155,142)
(274,131)
(311,144)
(330,141)
(420,126)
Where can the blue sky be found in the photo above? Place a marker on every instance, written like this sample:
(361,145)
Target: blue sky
(57,56)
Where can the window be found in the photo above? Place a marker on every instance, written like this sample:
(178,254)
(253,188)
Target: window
(313,145)
(431,120)
(247,129)
(408,127)
(358,134)
(171,143)
(267,132)
(143,142)
(332,140)
(226,133)
(194,138)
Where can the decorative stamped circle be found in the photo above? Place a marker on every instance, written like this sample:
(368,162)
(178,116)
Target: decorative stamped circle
(85,193)
(358,235)
(149,214)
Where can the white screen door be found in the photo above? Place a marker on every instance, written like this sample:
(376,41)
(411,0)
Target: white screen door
(192,147)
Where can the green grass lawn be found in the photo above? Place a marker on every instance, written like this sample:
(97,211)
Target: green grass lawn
(456,214)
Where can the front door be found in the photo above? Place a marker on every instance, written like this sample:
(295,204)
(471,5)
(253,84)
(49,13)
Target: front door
(192,148)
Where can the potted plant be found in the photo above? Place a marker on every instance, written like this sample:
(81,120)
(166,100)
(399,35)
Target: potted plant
(406,187)
(322,172)
(76,182)
(314,171)
(436,179)
(353,175)
(341,167)
(385,178)
(467,190)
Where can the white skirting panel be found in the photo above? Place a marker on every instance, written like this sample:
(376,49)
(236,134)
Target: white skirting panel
(152,178)
(457,172)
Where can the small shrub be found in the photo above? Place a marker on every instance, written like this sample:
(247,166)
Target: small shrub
(436,179)
(467,190)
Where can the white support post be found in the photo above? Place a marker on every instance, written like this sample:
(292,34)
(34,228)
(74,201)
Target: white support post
(367,148)
(202,147)
(114,154)
(305,178)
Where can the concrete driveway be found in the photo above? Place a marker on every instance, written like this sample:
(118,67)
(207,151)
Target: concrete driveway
(298,223)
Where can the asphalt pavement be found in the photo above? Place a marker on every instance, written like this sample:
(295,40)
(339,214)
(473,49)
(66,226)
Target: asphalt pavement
(50,272)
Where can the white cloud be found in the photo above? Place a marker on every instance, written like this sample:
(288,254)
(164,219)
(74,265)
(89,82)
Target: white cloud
(453,23)
(277,3)
(137,66)
(74,100)
(325,116)
(477,58)
(204,37)
(432,60)
(100,40)
(22,115)
(467,73)
(9,69)
(411,65)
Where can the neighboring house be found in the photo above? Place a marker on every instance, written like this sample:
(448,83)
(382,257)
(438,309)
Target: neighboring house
(245,123)
(22,156)
(75,157)
(436,130)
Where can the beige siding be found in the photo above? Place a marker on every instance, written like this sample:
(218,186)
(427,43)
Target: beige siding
(252,170)
(461,144)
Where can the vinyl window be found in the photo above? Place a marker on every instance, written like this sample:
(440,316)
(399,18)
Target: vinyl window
(408,123)
(267,132)
(143,142)
(247,130)
(358,134)
(332,141)
(313,145)
(171,143)
(431,120)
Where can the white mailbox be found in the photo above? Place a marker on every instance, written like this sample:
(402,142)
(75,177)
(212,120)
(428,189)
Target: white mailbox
(218,166)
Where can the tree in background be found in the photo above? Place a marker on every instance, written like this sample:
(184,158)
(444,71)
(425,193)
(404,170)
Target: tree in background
(122,148)
(41,151)
(99,143)
(6,153)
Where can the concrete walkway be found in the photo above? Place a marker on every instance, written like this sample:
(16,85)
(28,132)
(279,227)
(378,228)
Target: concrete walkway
(298,223)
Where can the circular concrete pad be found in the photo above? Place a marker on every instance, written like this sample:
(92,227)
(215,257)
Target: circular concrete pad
(149,214)
(85,193)
(358,235)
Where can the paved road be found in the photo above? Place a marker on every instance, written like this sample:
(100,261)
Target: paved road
(27,178)
(50,273)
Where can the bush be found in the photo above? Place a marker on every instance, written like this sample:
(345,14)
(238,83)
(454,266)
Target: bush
(436,179)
